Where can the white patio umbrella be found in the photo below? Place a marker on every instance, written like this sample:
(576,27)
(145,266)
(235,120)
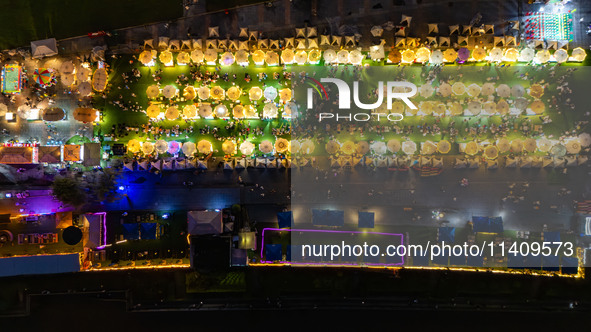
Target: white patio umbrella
(190,111)
(561,55)
(409,147)
(473,90)
(422,55)
(474,107)
(255,93)
(221,111)
(266,146)
(444,89)
(270,110)
(458,88)
(496,54)
(169,91)
(527,54)
(233,93)
(197,56)
(203,93)
(426,90)
(270,93)
(503,91)
(573,146)
(579,54)
(585,139)
(227,59)
(330,56)
(517,91)
(343,56)
(246,148)
(189,148)
(271,58)
(82,74)
(210,55)
(205,110)
(161,146)
(542,56)
(301,57)
(544,144)
(436,57)
(393,145)
(332,147)
(242,57)
(487,89)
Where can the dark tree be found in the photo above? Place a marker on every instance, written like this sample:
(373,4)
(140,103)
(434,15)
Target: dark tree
(69,191)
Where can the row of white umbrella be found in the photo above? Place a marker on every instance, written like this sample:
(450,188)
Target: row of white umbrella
(218,93)
(207,111)
(229,147)
(487,89)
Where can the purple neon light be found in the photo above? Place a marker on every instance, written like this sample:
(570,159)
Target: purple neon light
(328,231)
(104,214)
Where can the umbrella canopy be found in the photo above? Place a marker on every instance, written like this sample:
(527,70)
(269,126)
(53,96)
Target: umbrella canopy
(242,57)
(246,148)
(133,146)
(444,89)
(439,109)
(301,57)
(190,111)
(234,93)
(165,57)
(270,93)
(238,112)
(458,88)
(85,89)
(161,146)
(503,145)
(585,139)
(489,107)
(573,146)
(544,144)
(67,67)
(379,147)
(579,54)
(152,91)
(473,90)
(479,54)
(68,79)
(517,145)
(217,92)
(463,54)
(491,152)
(51,114)
(255,93)
(172,113)
(329,56)
(426,107)
(561,55)
(266,146)
(393,145)
(426,90)
(287,56)
(474,107)
(527,54)
(189,148)
(376,31)
(227,59)
(197,56)
(183,58)
(443,146)
(397,107)
(529,145)
(229,147)
(189,92)
(456,109)
(250,111)
(281,145)
(362,147)
(436,57)
(394,56)
(517,91)
(428,148)
(270,110)
(147,148)
(450,55)
(537,107)
(502,107)
(503,91)
(153,111)
(348,148)
(258,57)
(221,111)
(285,95)
(210,55)
(173,147)
(542,56)
(536,91)
(203,93)
(558,150)
(343,56)
(487,89)
(409,147)
(271,58)
(408,56)
(496,54)
(83,74)
(307,147)
(521,103)
(204,147)
(205,110)
(422,55)
(169,91)
(471,148)
(24,111)
(511,54)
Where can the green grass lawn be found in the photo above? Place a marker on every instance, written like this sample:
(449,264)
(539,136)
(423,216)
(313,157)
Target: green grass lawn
(24,20)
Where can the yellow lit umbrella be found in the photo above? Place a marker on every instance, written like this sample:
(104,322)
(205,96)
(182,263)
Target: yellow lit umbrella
(409,147)
(573,147)
(426,90)
(169,91)
(242,57)
(443,146)
(355,57)
(147,148)
(332,147)
(342,56)
(503,145)
(197,56)
(456,109)
(579,54)
(444,89)
(511,54)
(133,146)
(479,54)
(270,110)
(145,57)
(517,145)
(504,91)
(536,91)
(487,89)
(542,56)
(204,147)
(266,147)
(172,113)
(471,148)
(227,59)
(426,107)
(544,144)
(393,145)
(203,93)
(153,111)
(489,107)
(210,56)
(496,54)
(287,56)
(473,90)
(250,111)
(314,56)
(246,148)
(422,55)
(537,107)
(502,107)
(285,95)
(205,110)
(362,147)
(255,93)
(530,145)
(189,148)
(428,148)
(258,57)
(190,111)
(281,145)
(217,92)
(439,109)
(398,107)
(450,55)
(183,58)
(221,111)
(152,91)
(271,58)
(161,146)
(234,93)
(458,88)
(348,148)
(238,112)
(189,93)
(408,56)
(166,57)
(229,147)
(394,56)
(491,152)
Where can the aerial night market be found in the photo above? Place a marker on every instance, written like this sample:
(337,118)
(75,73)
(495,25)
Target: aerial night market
(397,163)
